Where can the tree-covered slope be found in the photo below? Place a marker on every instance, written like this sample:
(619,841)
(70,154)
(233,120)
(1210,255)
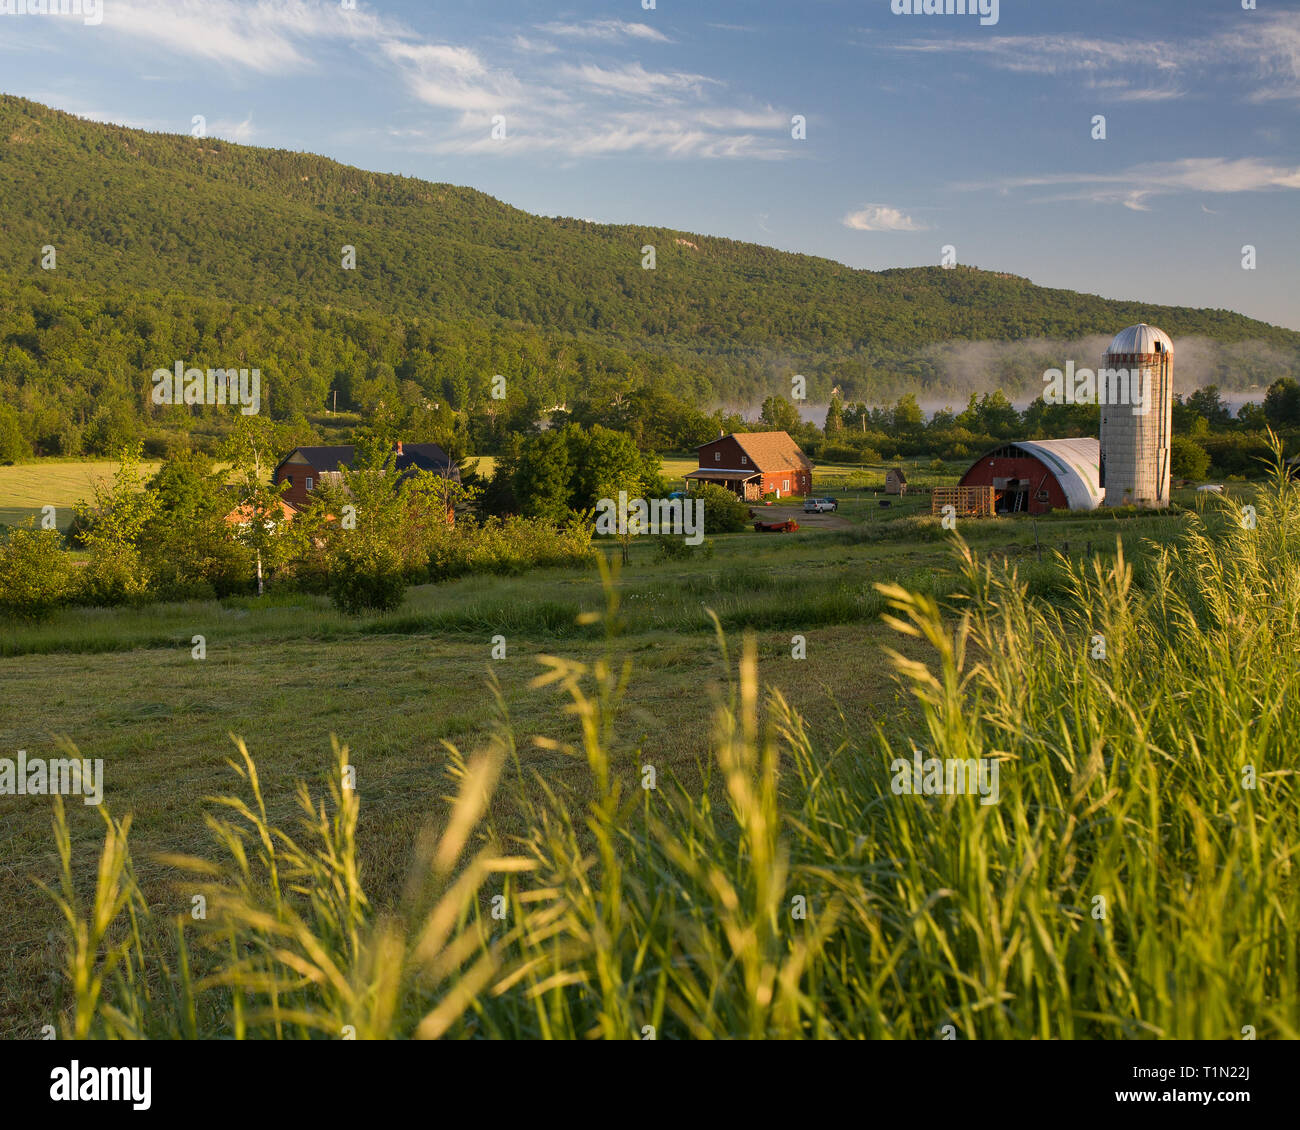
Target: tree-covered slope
(179,215)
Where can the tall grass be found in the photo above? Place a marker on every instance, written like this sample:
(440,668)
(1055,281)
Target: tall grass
(1136,878)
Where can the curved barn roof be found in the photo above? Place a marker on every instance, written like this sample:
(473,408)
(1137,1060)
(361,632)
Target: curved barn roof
(1076,464)
(1141,339)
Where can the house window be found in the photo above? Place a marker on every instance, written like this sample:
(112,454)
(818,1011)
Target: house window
(717,456)
(786,485)
(290,478)
(744,460)
(309,482)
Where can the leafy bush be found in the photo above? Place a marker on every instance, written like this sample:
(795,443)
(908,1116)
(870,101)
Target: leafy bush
(1188,459)
(115,575)
(669,548)
(724,512)
(841,453)
(35,573)
(366,575)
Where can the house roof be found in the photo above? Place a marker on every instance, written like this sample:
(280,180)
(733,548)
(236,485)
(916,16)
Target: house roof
(413,457)
(770,451)
(897,472)
(244,512)
(322,458)
(704,474)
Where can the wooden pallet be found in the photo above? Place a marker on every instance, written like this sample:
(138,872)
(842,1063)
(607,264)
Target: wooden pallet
(969,502)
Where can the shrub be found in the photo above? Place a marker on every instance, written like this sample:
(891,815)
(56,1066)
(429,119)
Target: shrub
(114,576)
(724,512)
(1188,459)
(668,548)
(35,573)
(366,576)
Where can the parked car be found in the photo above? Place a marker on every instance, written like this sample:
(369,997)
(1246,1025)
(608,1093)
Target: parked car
(819,505)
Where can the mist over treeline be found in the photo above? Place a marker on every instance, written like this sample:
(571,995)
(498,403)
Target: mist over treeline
(948,374)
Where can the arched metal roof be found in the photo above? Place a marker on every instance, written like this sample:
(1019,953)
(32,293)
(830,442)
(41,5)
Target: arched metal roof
(1141,339)
(1076,463)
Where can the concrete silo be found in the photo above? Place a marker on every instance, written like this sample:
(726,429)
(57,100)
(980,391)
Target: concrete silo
(1135,389)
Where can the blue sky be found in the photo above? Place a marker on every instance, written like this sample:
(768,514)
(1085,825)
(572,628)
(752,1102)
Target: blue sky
(922,130)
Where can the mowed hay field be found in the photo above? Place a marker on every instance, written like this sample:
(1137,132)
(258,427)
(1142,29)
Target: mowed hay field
(25,488)
(289,674)
(290,677)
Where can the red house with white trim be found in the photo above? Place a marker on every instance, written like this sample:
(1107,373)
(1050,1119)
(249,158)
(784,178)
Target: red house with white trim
(754,464)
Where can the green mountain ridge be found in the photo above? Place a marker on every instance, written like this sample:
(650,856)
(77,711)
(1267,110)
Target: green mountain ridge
(170,247)
(212,218)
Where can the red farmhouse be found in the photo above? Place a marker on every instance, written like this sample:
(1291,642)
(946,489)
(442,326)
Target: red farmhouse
(305,468)
(754,464)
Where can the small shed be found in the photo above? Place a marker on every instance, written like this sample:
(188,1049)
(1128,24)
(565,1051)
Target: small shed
(895,481)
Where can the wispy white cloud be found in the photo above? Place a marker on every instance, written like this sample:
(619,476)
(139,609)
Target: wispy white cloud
(1134,186)
(573,107)
(1262,53)
(579,134)
(610,31)
(267,36)
(453,78)
(634,79)
(881,217)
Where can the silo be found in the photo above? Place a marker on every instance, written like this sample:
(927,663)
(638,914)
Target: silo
(1135,389)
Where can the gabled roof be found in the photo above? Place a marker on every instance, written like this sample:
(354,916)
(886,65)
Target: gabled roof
(414,457)
(770,451)
(323,458)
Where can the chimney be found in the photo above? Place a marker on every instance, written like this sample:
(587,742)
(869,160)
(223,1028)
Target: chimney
(399,447)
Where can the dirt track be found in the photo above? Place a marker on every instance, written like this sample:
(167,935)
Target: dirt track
(781,513)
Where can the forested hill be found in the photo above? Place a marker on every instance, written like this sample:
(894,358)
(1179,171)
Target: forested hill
(171,213)
(170,248)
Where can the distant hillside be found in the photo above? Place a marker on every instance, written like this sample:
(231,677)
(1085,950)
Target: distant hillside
(206,217)
(173,247)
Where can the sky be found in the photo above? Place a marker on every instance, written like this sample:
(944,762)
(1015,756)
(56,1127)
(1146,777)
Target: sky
(839,128)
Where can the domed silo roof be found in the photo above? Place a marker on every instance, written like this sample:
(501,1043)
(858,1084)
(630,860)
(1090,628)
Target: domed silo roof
(1141,339)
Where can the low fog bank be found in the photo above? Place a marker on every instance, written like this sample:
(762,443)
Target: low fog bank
(947,374)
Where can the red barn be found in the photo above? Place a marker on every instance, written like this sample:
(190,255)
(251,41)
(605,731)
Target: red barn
(753,464)
(1035,476)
